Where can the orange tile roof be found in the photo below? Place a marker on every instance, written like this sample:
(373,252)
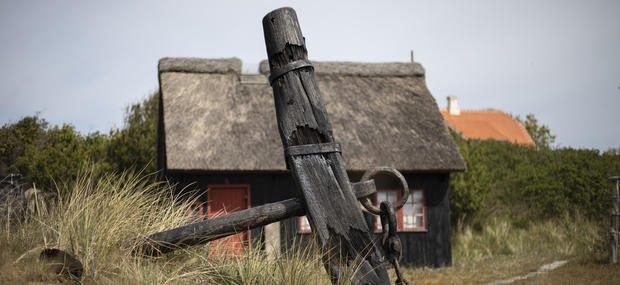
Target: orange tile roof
(488,124)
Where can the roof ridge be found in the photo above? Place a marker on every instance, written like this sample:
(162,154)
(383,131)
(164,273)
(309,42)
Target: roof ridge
(226,65)
(476,110)
(199,65)
(396,69)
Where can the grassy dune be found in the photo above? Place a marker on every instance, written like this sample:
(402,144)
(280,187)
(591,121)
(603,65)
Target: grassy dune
(100,215)
(499,250)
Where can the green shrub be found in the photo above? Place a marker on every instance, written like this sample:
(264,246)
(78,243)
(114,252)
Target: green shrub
(46,155)
(135,146)
(529,183)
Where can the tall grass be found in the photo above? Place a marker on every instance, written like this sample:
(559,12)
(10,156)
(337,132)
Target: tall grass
(100,215)
(498,248)
(567,236)
(97,218)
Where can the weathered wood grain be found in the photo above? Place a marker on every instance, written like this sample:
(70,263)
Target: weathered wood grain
(219,227)
(223,226)
(333,211)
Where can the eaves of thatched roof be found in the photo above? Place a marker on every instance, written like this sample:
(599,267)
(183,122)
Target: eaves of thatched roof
(216,119)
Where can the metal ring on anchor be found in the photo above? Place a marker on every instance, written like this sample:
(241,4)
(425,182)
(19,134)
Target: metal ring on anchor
(276,73)
(367,203)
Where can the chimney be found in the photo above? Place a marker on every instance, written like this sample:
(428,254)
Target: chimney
(453,106)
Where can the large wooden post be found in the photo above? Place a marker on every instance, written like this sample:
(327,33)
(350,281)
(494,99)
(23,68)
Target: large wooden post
(314,158)
(614,231)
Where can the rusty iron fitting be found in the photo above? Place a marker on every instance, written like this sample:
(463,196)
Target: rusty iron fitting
(367,203)
(391,244)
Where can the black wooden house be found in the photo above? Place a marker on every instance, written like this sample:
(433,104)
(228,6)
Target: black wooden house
(218,131)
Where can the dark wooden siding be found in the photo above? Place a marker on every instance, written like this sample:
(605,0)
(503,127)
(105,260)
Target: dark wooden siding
(429,248)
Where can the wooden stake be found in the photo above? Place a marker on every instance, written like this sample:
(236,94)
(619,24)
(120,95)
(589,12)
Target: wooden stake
(615,215)
(333,211)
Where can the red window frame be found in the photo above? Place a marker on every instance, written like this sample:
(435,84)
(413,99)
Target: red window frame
(400,213)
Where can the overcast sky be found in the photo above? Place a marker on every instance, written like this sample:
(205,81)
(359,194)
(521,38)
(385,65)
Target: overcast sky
(82,63)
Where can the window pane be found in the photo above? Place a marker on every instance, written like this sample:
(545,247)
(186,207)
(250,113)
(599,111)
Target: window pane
(381,196)
(417,208)
(408,209)
(417,197)
(408,222)
(392,196)
(419,222)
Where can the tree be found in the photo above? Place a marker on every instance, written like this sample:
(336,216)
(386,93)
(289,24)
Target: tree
(55,158)
(540,133)
(135,145)
(48,155)
(14,138)
(469,190)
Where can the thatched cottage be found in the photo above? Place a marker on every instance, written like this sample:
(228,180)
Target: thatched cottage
(218,132)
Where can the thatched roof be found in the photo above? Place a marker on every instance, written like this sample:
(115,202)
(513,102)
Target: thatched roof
(216,119)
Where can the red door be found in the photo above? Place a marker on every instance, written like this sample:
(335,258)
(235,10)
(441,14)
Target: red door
(225,199)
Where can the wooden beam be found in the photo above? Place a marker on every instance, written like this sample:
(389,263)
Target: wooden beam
(219,227)
(223,226)
(333,211)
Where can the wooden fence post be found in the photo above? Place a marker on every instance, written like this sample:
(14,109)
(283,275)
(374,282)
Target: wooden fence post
(314,157)
(614,231)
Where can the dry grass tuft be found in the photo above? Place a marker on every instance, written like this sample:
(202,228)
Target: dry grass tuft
(99,216)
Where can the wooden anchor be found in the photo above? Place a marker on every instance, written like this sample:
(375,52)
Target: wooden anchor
(326,196)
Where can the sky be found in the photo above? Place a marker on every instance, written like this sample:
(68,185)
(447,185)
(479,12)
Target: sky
(83,62)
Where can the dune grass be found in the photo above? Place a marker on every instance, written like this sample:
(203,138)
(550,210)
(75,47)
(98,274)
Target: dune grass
(500,250)
(100,216)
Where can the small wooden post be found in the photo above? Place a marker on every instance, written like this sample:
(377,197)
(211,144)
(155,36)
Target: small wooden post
(272,240)
(314,158)
(614,231)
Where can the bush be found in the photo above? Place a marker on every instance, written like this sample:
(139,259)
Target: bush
(46,156)
(135,146)
(14,138)
(58,155)
(528,183)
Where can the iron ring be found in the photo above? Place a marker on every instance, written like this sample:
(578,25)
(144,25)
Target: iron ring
(367,203)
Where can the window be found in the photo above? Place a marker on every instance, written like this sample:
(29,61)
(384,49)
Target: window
(414,211)
(412,216)
(195,212)
(304,225)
